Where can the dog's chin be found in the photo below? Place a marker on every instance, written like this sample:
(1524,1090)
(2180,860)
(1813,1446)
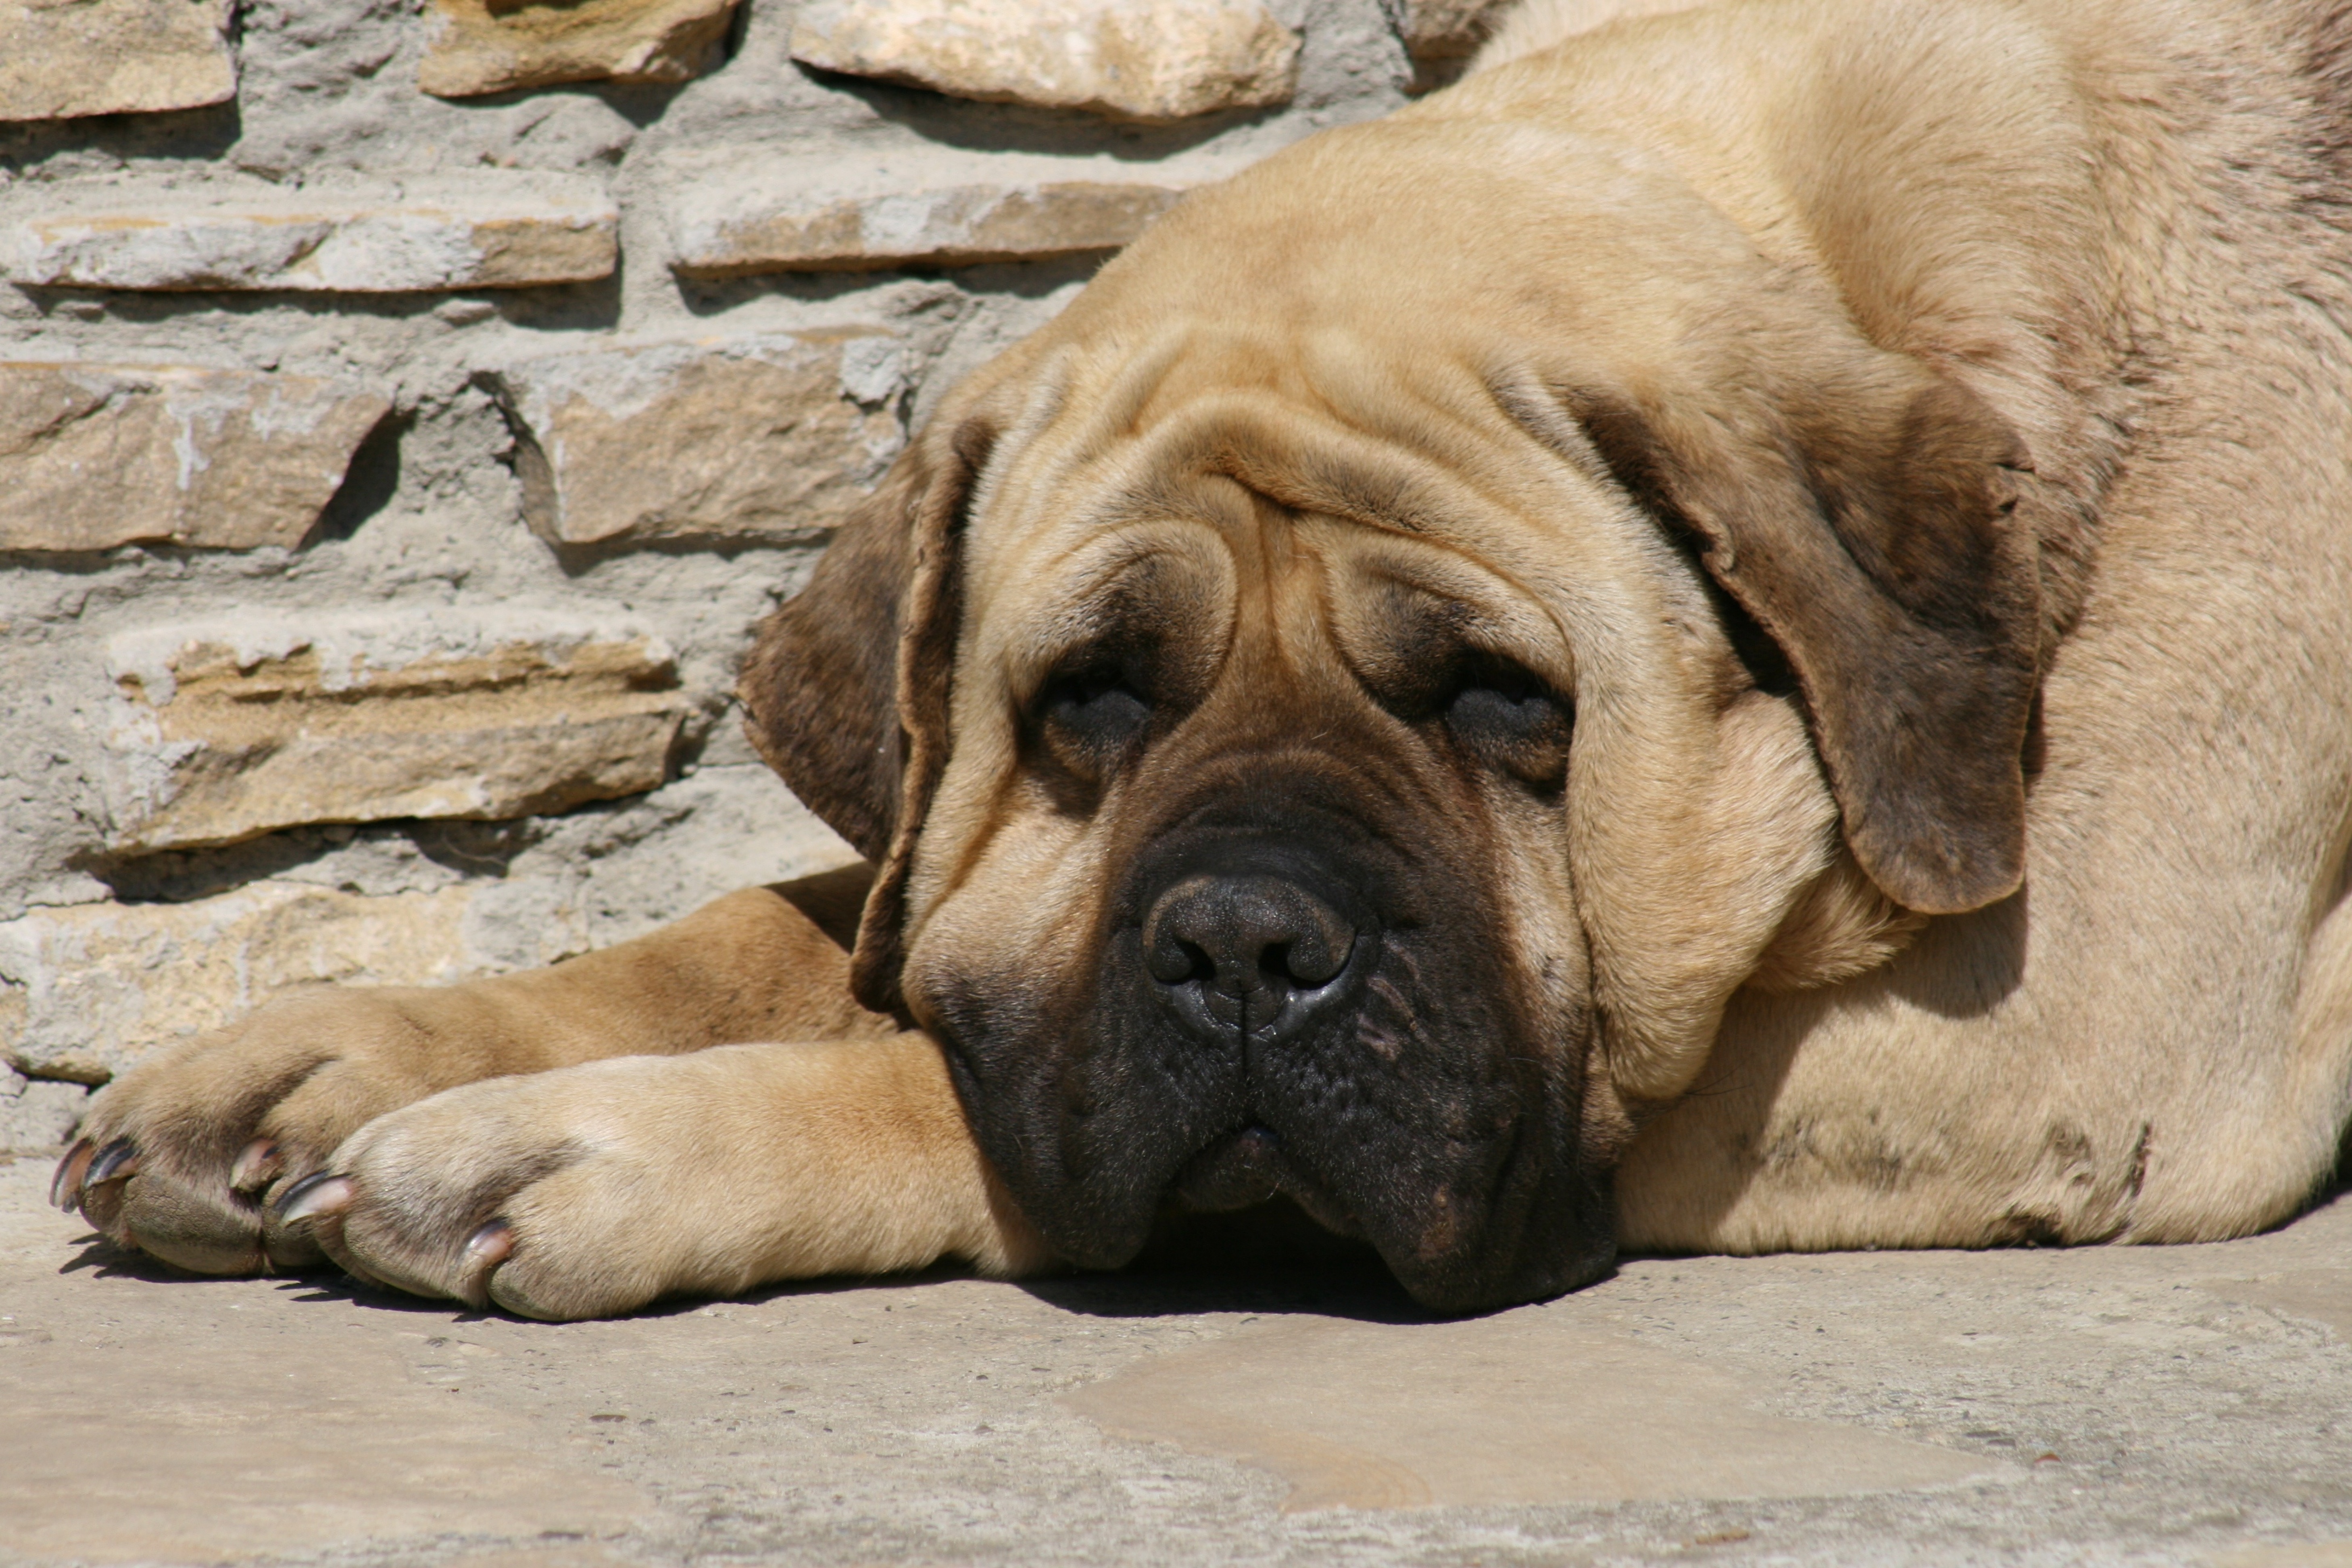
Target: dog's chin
(1248,1167)
(1559,1246)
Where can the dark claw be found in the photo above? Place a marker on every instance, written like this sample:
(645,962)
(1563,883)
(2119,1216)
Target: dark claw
(65,1187)
(119,1160)
(255,1167)
(320,1192)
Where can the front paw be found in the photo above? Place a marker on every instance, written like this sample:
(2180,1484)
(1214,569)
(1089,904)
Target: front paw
(564,1194)
(589,1191)
(180,1157)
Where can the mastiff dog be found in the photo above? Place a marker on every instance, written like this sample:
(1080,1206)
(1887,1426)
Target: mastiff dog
(1734,634)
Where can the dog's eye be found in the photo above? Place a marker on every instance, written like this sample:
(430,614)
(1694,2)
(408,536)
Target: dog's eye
(1091,716)
(1506,714)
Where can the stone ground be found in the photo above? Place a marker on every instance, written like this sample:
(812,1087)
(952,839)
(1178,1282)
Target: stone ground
(2185,1404)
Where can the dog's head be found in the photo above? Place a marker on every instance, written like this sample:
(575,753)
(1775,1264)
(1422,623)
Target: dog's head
(1340,712)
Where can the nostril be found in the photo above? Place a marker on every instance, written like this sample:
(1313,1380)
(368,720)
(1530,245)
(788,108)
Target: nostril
(1301,965)
(1310,961)
(1174,959)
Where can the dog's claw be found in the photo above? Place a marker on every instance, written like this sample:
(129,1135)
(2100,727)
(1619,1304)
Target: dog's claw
(65,1187)
(256,1166)
(490,1244)
(119,1160)
(485,1250)
(321,1193)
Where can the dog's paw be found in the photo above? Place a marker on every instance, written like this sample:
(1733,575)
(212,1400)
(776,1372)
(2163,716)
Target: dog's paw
(592,1190)
(579,1193)
(182,1157)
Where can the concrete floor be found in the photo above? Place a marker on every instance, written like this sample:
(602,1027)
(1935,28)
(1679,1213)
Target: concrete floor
(2188,1404)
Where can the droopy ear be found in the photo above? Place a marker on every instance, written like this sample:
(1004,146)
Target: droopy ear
(845,690)
(1867,526)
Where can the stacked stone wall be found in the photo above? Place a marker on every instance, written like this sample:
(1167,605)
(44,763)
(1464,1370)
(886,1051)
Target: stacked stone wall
(406,407)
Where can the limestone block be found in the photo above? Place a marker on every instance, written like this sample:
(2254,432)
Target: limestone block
(935,208)
(37,1117)
(93,456)
(63,59)
(495,45)
(1129,59)
(86,990)
(229,729)
(768,437)
(489,228)
(1449,29)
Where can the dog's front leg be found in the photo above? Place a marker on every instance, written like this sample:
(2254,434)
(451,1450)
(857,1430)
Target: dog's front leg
(592,1190)
(188,1156)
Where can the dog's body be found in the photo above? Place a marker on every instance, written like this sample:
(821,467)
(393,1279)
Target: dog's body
(1760,601)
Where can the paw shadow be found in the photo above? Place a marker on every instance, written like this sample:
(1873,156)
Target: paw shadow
(103,1259)
(328,1285)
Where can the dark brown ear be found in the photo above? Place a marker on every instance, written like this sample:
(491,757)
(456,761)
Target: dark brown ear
(1868,528)
(845,690)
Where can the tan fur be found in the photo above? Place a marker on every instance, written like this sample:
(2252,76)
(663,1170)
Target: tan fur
(1537,25)
(1628,265)
(713,1172)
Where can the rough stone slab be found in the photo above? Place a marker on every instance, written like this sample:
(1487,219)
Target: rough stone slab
(1333,1409)
(93,456)
(767,436)
(495,45)
(230,728)
(90,988)
(482,229)
(2120,1406)
(1150,60)
(938,208)
(217,1458)
(87,989)
(37,1117)
(1449,29)
(60,59)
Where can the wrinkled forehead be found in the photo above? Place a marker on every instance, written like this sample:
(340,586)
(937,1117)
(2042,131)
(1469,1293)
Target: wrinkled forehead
(1162,481)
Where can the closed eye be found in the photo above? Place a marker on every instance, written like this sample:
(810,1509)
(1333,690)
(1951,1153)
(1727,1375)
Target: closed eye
(1510,717)
(1091,715)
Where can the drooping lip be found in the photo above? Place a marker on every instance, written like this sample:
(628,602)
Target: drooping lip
(1249,1166)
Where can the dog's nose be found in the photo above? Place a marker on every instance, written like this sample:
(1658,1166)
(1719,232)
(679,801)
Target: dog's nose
(1251,956)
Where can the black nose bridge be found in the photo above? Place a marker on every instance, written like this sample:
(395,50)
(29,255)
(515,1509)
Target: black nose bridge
(1288,803)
